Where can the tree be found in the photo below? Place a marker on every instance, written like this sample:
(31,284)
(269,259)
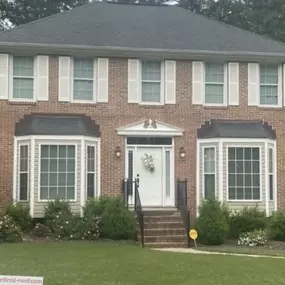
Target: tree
(20,12)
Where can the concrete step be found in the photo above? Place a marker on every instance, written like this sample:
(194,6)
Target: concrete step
(163,238)
(163,225)
(164,231)
(166,244)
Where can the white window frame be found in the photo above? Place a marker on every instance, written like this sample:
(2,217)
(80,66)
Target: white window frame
(279,76)
(225,84)
(94,81)
(91,172)
(271,173)
(162,83)
(261,159)
(11,81)
(39,169)
(20,144)
(203,169)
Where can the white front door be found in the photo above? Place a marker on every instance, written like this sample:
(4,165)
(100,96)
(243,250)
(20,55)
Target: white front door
(156,187)
(150,183)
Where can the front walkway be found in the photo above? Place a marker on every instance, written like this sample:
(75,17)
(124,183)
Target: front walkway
(196,251)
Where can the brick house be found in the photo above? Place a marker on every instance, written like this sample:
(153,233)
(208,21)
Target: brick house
(108,91)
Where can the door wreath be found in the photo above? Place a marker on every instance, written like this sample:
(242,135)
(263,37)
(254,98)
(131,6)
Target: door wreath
(148,161)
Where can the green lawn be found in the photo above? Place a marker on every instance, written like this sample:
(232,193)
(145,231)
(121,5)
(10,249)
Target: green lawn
(108,264)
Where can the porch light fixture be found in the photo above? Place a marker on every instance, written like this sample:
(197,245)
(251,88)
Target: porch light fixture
(182,152)
(118,152)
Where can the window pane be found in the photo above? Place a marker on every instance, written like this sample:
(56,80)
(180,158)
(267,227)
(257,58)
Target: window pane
(90,158)
(83,68)
(149,141)
(23,88)
(256,193)
(150,92)
(70,195)
(243,173)
(214,73)
(23,186)
(90,185)
(269,95)
(271,187)
(167,173)
(151,71)
(57,171)
(209,185)
(23,66)
(83,90)
(214,93)
(209,160)
(270,158)
(268,74)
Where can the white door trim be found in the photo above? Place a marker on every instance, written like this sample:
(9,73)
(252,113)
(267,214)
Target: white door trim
(166,202)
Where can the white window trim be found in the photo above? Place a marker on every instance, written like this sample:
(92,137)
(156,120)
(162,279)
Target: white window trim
(39,169)
(56,140)
(279,85)
(88,144)
(19,171)
(203,169)
(72,78)
(261,158)
(239,142)
(162,84)
(11,82)
(225,87)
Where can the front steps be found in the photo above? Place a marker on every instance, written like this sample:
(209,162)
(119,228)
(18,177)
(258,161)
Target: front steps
(163,229)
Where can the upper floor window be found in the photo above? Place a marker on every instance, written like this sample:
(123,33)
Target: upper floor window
(214,83)
(83,79)
(151,82)
(23,77)
(268,84)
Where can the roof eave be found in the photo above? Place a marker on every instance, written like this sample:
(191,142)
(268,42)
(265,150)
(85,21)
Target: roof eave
(136,52)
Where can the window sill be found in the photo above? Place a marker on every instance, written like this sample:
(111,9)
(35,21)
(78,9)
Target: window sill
(244,201)
(22,102)
(52,200)
(270,106)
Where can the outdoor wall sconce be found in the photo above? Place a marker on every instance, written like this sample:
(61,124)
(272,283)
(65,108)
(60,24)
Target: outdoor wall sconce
(182,152)
(118,152)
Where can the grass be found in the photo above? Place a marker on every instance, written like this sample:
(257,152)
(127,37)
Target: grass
(244,250)
(73,263)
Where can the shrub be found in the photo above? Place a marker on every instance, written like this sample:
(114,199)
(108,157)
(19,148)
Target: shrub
(117,222)
(247,220)
(63,224)
(9,230)
(254,238)
(55,208)
(21,215)
(212,224)
(96,207)
(40,230)
(277,226)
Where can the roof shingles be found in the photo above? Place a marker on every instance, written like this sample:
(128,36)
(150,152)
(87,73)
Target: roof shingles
(139,26)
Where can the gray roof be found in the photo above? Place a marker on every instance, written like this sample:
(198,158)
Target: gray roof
(236,129)
(56,124)
(139,26)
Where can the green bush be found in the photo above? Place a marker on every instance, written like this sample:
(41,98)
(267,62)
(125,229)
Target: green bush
(9,230)
(247,220)
(277,226)
(21,215)
(212,224)
(96,207)
(117,222)
(254,238)
(40,230)
(55,208)
(61,223)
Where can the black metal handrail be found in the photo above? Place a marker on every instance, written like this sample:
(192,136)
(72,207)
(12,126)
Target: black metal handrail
(139,210)
(130,187)
(182,205)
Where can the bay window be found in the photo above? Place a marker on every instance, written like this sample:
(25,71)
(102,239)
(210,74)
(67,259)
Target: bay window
(209,172)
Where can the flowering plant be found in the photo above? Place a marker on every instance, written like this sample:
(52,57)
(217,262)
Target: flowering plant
(254,238)
(9,230)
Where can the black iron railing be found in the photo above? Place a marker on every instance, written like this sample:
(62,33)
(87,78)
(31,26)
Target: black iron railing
(182,205)
(130,188)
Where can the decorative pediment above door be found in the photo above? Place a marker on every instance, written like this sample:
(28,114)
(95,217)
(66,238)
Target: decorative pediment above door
(150,128)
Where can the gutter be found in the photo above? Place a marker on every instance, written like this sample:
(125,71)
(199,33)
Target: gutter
(133,51)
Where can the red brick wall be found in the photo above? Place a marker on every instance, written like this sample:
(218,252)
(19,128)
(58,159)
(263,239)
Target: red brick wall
(118,113)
